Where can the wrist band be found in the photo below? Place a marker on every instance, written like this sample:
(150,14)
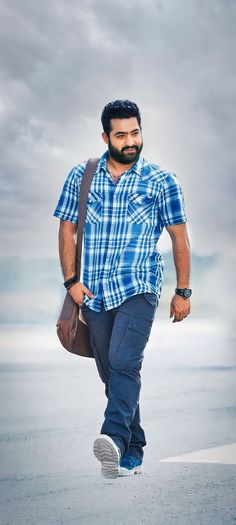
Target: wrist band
(70,285)
(70,282)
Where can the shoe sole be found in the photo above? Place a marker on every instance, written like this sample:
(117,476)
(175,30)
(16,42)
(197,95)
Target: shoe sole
(107,453)
(127,472)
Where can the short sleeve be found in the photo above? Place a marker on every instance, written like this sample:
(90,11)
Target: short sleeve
(67,206)
(171,202)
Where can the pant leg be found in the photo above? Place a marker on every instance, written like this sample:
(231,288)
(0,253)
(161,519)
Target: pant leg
(138,438)
(100,329)
(130,333)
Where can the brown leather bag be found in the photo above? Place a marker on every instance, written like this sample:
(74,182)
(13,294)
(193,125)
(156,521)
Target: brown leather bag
(72,329)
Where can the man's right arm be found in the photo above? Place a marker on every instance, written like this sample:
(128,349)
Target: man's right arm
(67,254)
(67,248)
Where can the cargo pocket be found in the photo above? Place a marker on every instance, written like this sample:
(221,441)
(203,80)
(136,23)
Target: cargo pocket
(129,339)
(142,325)
(136,339)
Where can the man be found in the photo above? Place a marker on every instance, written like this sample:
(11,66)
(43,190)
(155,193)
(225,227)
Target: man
(129,203)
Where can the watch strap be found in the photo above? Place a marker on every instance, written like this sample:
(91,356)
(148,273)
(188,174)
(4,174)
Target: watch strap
(184,292)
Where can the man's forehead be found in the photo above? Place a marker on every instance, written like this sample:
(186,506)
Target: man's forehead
(123,124)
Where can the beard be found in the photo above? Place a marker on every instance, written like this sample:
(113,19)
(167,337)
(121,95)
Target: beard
(123,156)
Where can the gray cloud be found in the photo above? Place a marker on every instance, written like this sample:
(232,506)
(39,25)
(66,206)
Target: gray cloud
(61,62)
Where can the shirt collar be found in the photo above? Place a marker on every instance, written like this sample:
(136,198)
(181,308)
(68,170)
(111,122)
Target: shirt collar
(137,167)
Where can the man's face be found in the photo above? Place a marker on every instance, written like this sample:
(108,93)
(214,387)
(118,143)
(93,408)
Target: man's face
(125,140)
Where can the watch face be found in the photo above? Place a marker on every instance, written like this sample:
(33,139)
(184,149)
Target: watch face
(187,293)
(184,292)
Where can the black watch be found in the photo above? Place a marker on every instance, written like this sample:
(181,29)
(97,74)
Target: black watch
(184,292)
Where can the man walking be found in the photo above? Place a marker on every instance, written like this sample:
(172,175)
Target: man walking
(129,203)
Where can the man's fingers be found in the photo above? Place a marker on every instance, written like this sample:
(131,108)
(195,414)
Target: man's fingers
(181,315)
(177,317)
(77,292)
(87,291)
(179,310)
(172,310)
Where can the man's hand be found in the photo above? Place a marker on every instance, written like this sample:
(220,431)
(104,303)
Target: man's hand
(179,308)
(78,291)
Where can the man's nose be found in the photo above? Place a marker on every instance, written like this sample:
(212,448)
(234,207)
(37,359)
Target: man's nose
(129,143)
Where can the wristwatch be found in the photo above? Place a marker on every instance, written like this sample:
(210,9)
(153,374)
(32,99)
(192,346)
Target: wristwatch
(184,292)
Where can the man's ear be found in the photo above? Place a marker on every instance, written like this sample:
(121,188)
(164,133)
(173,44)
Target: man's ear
(105,137)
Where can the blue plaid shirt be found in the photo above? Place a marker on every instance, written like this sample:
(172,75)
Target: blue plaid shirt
(124,221)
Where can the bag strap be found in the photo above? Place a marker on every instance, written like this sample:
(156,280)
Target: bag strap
(83,197)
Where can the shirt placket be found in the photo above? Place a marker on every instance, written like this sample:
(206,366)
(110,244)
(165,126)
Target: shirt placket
(114,222)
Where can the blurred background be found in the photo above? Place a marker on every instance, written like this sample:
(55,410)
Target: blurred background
(61,62)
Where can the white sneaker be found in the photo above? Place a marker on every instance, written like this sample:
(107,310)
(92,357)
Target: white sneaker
(106,451)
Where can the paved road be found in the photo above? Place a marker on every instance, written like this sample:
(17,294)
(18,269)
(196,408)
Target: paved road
(51,411)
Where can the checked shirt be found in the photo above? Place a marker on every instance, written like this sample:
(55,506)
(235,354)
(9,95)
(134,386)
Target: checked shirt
(124,221)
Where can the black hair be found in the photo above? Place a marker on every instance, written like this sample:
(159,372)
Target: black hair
(119,109)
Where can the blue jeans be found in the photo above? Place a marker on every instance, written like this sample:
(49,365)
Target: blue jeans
(118,338)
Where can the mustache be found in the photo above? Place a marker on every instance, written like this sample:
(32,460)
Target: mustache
(131,147)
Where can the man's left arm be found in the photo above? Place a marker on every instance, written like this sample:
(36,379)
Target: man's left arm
(180,307)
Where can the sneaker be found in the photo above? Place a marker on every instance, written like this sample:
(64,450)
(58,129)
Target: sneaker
(106,451)
(130,465)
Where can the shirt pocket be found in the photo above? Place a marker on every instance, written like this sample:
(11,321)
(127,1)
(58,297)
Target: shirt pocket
(140,206)
(94,207)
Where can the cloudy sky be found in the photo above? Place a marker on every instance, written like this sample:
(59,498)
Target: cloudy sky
(62,61)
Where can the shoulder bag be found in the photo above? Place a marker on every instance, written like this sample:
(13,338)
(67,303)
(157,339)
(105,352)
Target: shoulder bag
(72,329)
